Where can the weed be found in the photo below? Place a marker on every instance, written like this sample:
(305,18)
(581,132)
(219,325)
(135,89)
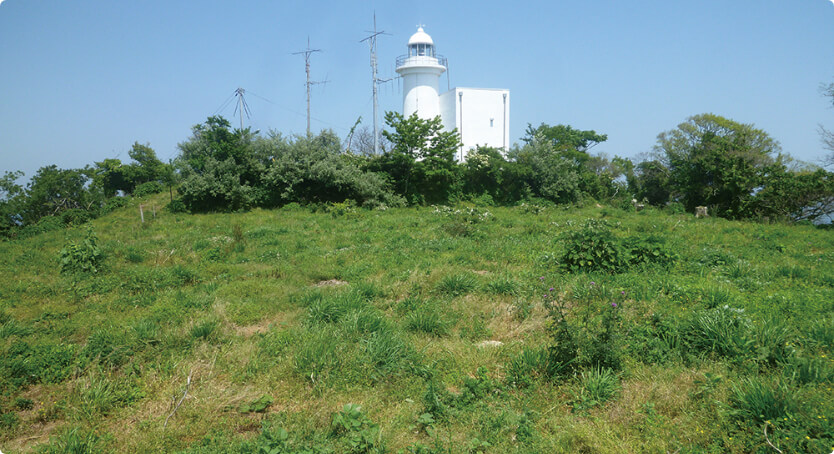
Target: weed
(457,284)
(525,367)
(75,441)
(773,341)
(203,330)
(599,384)
(760,399)
(503,286)
(721,330)
(386,352)
(258,405)
(84,256)
(356,429)
(427,319)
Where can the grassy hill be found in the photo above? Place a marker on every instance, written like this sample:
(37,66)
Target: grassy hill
(234,332)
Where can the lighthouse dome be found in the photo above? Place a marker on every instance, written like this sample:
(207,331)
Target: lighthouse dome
(420,37)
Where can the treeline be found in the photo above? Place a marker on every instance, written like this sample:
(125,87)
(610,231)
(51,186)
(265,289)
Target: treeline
(734,169)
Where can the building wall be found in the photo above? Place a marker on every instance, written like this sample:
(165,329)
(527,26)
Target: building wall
(481,115)
(420,93)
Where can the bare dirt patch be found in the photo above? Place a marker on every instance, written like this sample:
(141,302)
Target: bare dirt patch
(330,283)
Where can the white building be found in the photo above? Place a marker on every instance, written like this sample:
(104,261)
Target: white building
(481,115)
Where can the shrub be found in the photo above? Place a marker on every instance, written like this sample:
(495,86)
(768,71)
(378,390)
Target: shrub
(593,248)
(177,206)
(85,256)
(149,188)
(113,203)
(75,216)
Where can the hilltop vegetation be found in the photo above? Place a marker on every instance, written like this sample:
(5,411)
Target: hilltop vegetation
(733,169)
(333,328)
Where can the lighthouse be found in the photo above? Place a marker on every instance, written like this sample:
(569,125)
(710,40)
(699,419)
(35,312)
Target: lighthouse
(420,70)
(480,115)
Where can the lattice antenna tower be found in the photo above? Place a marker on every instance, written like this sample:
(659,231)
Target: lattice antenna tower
(242,107)
(371,40)
(306,53)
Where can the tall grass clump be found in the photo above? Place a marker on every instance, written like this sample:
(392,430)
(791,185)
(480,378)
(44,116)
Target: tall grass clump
(386,352)
(457,284)
(599,384)
(723,331)
(761,399)
(428,320)
(503,286)
(320,353)
(330,308)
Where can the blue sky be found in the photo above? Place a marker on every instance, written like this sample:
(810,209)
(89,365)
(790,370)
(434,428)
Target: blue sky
(82,80)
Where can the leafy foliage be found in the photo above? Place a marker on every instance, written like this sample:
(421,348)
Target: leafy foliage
(84,256)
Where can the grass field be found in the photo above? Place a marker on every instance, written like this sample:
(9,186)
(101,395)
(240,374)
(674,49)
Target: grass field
(349,330)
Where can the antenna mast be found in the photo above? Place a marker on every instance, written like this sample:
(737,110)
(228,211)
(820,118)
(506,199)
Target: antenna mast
(306,53)
(375,80)
(242,107)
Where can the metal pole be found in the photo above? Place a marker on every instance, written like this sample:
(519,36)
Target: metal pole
(240,106)
(504,124)
(460,97)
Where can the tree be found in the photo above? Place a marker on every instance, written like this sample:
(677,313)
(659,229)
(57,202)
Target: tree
(10,199)
(564,137)
(547,173)
(827,135)
(650,181)
(716,162)
(221,168)
(421,161)
(52,191)
(793,195)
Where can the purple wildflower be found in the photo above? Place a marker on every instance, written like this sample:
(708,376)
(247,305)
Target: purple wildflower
(613,304)
(551,289)
(622,293)
(541,278)
(593,283)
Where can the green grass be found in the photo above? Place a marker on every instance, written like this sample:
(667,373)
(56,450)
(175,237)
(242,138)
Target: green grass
(389,310)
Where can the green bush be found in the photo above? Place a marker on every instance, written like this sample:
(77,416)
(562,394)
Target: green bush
(149,188)
(593,247)
(75,216)
(84,256)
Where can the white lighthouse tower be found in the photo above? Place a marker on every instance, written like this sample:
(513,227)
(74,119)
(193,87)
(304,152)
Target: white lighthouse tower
(420,70)
(481,116)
